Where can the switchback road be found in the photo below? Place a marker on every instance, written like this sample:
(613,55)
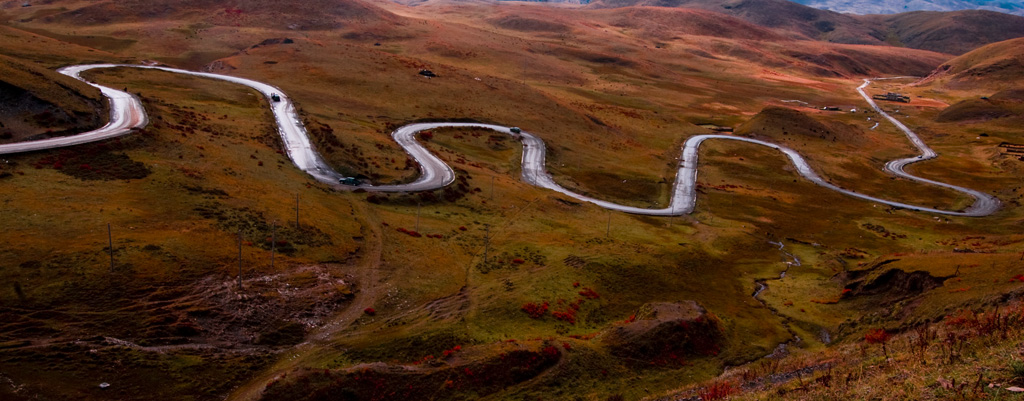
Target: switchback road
(127,113)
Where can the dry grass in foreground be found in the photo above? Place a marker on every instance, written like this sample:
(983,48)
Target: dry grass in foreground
(967,356)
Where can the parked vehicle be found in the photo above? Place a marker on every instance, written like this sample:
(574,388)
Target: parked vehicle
(350,181)
(275,97)
(515,130)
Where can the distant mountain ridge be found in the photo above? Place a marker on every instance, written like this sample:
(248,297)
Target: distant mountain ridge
(1015,7)
(954,32)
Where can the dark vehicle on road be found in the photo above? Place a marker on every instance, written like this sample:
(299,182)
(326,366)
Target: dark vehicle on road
(515,130)
(275,97)
(350,181)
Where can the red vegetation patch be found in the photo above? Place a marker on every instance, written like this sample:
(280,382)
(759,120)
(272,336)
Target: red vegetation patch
(717,391)
(589,293)
(876,336)
(370,311)
(569,314)
(410,233)
(534,310)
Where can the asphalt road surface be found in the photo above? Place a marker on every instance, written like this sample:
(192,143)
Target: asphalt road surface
(127,113)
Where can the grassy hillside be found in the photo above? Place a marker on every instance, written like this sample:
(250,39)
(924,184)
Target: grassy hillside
(955,32)
(491,288)
(996,66)
(951,32)
(37,103)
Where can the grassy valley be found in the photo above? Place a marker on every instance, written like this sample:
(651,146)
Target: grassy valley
(229,273)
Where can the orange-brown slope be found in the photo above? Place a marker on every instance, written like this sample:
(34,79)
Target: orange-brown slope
(994,67)
(302,15)
(955,32)
(944,32)
(790,17)
(662,23)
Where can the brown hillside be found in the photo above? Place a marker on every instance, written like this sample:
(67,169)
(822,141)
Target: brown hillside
(37,103)
(1002,104)
(944,32)
(996,65)
(305,15)
(668,23)
(781,122)
(665,330)
(954,32)
(781,14)
(522,24)
(972,110)
(859,61)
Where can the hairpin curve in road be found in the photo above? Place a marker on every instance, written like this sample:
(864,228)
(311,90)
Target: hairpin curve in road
(126,113)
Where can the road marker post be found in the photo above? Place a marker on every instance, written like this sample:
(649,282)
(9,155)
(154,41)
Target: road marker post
(110,245)
(487,240)
(239,258)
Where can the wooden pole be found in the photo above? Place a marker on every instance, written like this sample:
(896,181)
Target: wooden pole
(296,211)
(110,244)
(418,217)
(608,230)
(239,258)
(273,244)
(487,240)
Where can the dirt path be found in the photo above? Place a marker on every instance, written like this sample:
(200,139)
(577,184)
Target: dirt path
(368,272)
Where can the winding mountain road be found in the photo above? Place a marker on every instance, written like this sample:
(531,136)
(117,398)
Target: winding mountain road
(127,113)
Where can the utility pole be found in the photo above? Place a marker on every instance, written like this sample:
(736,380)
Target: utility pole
(110,245)
(239,258)
(296,211)
(608,229)
(418,217)
(492,187)
(273,244)
(487,240)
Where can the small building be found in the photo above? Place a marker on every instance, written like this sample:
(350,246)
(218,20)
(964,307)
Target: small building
(893,97)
